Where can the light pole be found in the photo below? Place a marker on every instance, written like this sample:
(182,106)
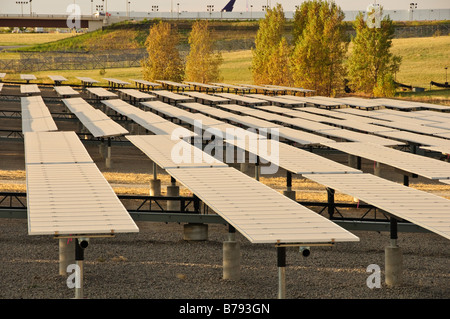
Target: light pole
(210,8)
(21,5)
(412,6)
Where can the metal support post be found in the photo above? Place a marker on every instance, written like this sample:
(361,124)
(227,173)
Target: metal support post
(289,192)
(257,168)
(281,264)
(331,205)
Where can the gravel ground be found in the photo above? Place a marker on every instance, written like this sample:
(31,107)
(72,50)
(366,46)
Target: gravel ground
(157,263)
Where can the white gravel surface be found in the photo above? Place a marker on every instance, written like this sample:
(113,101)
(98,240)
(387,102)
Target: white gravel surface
(157,263)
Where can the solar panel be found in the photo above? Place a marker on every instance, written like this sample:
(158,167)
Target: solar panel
(412,127)
(315,100)
(28,77)
(87,80)
(367,104)
(291,158)
(116,81)
(136,94)
(260,213)
(150,121)
(444,149)
(276,100)
(66,193)
(65,91)
(70,199)
(57,78)
(301,137)
(99,124)
(35,115)
(410,105)
(424,209)
(29,88)
(101,93)
(146,83)
(412,137)
(54,148)
(168,153)
(207,98)
(170,97)
(240,99)
(420,165)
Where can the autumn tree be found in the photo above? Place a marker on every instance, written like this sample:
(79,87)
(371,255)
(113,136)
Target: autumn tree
(202,63)
(271,52)
(371,65)
(320,47)
(163,61)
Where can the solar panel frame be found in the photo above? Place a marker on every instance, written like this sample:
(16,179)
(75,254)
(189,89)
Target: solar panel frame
(161,150)
(421,165)
(421,208)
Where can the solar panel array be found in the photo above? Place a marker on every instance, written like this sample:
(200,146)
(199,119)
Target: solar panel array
(220,186)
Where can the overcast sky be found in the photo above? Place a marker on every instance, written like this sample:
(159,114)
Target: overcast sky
(60,6)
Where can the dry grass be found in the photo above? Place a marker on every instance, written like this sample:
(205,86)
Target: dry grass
(14,39)
(137,184)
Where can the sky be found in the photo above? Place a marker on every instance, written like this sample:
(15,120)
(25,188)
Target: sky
(60,6)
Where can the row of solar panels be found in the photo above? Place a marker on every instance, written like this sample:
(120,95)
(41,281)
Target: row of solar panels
(146,112)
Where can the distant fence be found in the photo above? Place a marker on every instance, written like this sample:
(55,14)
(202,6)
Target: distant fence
(44,61)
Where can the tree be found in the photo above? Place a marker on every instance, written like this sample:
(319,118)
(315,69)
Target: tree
(267,43)
(202,64)
(371,65)
(164,61)
(278,66)
(320,47)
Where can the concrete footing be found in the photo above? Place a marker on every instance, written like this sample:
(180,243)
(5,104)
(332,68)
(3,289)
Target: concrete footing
(155,187)
(196,232)
(243,167)
(231,260)
(102,149)
(377,169)
(66,254)
(290,194)
(393,265)
(173,190)
(353,161)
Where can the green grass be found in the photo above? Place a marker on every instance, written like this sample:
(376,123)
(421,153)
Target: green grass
(16,39)
(424,60)
(236,67)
